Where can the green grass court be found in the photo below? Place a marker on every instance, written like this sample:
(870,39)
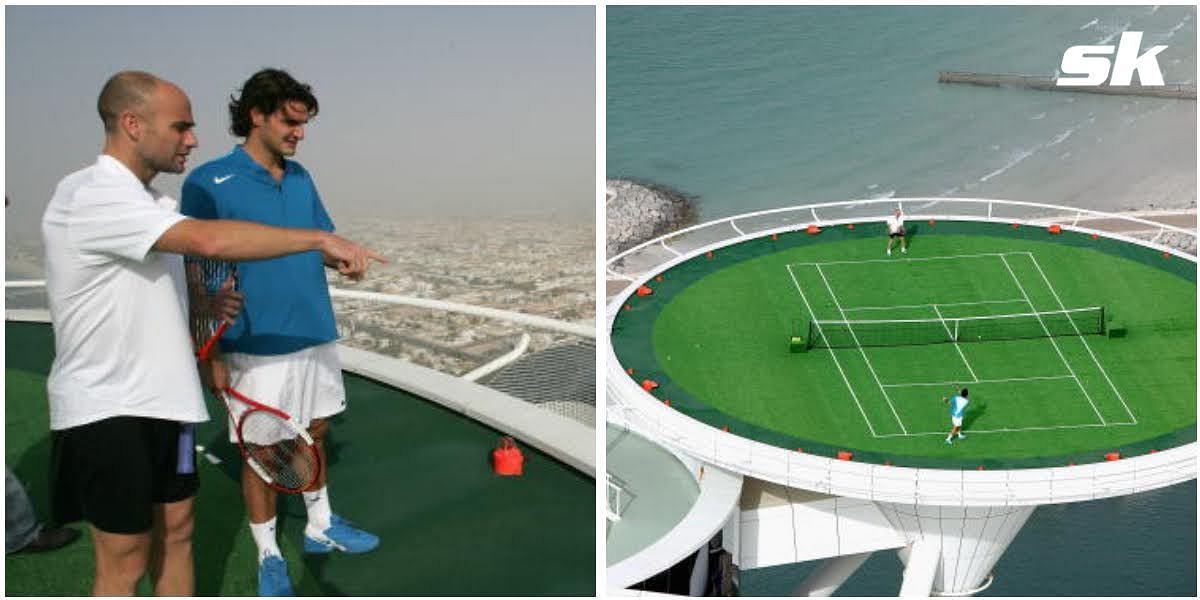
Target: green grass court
(413,472)
(715,336)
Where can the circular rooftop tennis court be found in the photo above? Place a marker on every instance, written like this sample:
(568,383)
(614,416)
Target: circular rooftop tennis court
(1046,389)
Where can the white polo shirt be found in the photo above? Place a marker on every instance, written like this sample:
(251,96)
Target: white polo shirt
(121,339)
(895,224)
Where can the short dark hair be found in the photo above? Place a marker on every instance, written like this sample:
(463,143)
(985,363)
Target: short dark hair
(964,393)
(127,90)
(267,90)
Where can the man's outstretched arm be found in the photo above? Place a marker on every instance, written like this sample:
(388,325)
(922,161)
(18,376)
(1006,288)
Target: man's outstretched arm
(241,240)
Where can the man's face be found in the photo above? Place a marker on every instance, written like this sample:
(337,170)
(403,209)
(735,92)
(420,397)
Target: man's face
(167,135)
(282,130)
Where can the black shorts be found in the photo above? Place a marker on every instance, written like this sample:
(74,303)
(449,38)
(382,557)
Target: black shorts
(111,473)
(896,234)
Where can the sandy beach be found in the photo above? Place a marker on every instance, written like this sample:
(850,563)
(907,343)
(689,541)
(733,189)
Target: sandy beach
(1143,164)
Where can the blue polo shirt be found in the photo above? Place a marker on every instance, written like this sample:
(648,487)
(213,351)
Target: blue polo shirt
(958,406)
(287,306)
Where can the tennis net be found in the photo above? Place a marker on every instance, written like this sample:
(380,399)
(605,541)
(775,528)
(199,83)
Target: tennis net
(915,332)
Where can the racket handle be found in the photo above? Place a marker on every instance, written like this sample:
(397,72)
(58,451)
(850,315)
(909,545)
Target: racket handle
(205,350)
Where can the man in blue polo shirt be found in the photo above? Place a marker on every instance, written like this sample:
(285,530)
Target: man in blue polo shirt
(282,350)
(958,408)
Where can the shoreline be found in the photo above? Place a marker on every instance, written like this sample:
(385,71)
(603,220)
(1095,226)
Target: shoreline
(1148,164)
(637,210)
(1145,165)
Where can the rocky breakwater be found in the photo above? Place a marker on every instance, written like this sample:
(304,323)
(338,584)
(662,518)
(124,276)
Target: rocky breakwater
(637,211)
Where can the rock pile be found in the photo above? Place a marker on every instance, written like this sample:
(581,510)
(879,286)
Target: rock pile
(637,211)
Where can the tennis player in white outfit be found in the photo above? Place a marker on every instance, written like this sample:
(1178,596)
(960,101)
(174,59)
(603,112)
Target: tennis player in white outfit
(895,225)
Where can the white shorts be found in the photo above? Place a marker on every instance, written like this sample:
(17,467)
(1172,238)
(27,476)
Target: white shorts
(306,384)
(956,421)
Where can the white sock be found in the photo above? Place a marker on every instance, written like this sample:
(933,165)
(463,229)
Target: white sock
(264,537)
(320,515)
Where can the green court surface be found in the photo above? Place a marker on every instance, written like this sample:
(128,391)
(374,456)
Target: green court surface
(405,468)
(715,336)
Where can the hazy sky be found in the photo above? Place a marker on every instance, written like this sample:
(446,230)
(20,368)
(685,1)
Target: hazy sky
(425,111)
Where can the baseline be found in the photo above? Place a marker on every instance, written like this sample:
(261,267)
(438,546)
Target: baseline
(1008,429)
(893,260)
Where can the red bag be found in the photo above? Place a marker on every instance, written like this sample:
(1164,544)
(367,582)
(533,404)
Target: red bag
(507,459)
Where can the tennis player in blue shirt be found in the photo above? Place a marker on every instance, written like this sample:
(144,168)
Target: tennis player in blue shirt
(958,407)
(282,351)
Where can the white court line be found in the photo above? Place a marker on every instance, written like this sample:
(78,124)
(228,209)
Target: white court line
(1082,339)
(853,308)
(955,341)
(893,260)
(1052,342)
(959,383)
(861,350)
(1007,429)
(832,353)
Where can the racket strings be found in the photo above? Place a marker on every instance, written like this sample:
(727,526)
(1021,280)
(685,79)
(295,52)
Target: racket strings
(286,457)
(204,279)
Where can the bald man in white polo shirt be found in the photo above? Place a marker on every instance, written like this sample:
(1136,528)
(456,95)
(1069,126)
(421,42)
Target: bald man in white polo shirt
(124,388)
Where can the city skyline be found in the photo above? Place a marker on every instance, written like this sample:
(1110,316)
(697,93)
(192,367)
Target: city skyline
(485,112)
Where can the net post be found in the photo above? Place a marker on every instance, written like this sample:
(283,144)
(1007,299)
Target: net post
(799,342)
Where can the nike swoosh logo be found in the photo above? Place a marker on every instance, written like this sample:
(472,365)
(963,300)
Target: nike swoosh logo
(220,180)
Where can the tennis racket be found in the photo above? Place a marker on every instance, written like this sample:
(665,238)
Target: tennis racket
(281,452)
(277,449)
(205,278)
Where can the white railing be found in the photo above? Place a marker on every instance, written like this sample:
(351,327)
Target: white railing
(501,361)
(582,330)
(550,428)
(539,322)
(714,234)
(614,507)
(635,408)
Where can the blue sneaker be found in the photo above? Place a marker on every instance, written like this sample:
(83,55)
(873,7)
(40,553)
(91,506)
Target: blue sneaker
(341,535)
(273,578)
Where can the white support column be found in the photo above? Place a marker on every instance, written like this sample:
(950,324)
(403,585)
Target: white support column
(699,578)
(921,561)
(830,575)
(970,541)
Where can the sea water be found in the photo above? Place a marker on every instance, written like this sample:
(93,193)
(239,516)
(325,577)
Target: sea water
(750,108)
